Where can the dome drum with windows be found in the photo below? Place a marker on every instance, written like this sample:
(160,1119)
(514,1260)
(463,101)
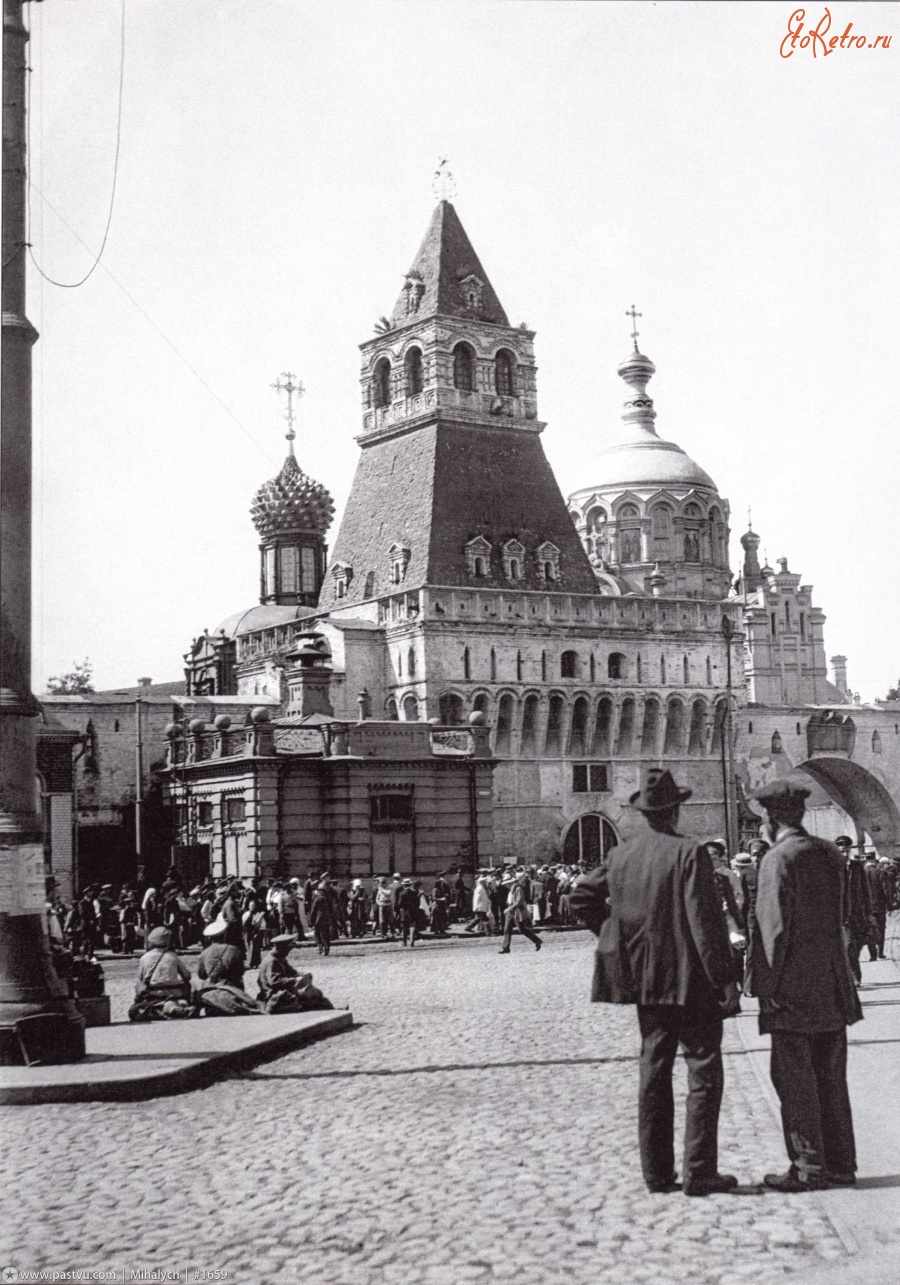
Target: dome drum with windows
(654,522)
(292,513)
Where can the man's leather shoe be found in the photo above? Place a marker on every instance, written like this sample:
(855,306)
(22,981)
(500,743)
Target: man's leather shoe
(840,1179)
(504,950)
(791,1181)
(667,1184)
(538,944)
(715,1185)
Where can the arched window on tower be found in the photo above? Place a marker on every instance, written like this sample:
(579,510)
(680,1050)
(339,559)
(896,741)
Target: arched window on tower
(708,672)
(381,383)
(390,708)
(661,527)
(410,709)
(616,665)
(692,517)
(464,368)
(597,542)
(518,666)
(493,665)
(686,668)
(467,664)
(414,377)
(504,373)
(629,534)
(411,663)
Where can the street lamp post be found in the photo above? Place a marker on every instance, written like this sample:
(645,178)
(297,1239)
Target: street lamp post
(730,794)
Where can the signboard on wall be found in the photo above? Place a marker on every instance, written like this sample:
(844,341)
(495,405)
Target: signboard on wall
(455,744)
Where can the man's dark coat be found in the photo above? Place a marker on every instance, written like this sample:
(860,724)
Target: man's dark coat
(664,939)
(799,966)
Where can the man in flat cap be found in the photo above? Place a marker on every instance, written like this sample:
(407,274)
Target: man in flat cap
(801,975)
(664,947)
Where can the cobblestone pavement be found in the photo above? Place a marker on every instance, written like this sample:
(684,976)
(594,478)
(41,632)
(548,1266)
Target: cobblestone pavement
(478,1125)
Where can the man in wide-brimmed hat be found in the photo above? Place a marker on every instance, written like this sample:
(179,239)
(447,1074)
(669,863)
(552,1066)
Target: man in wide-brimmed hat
(664,947)
(800,971)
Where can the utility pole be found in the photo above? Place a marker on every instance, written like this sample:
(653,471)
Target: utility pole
(29,987)
(730,793)
(138,787)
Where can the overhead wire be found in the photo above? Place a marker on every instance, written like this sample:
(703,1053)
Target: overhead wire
(162,334)
(73,285)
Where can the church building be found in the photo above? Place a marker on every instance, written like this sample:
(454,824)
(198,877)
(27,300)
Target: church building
(469,622)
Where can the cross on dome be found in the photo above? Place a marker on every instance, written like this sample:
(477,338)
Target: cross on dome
(290,388)
(634,316)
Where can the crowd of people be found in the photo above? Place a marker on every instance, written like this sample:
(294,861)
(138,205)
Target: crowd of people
(871,891)
(393,907)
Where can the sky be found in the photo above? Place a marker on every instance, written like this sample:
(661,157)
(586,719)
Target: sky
(274,181)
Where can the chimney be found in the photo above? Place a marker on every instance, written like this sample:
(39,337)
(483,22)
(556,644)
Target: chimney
(839,665)
(145,682)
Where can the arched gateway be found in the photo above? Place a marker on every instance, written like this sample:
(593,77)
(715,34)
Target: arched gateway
(589,839)
(862,796)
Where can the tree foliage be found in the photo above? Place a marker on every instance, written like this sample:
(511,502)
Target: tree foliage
(78,682)
(894,693)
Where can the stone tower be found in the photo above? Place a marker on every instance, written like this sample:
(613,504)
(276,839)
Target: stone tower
(452,487)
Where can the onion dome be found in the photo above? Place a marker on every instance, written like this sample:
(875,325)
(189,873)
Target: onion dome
(641,457)
(291,502)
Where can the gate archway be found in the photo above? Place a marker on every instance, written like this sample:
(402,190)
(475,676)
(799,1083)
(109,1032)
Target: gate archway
(862,796)
(588,839)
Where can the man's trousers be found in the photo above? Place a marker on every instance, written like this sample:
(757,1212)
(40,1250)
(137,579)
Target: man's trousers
(854,946)
(699,1033)
(877,929)
(512,921)
(809,1072)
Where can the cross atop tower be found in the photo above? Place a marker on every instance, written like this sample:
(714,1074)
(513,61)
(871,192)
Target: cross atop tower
(634,316)
(290,388)
(443,184)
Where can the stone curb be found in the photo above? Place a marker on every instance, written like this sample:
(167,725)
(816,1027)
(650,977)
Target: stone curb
(132,1062)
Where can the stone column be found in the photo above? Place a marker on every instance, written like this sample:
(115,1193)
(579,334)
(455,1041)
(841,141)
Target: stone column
(29,986)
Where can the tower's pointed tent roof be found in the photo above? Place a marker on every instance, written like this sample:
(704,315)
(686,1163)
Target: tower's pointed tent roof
(443,265)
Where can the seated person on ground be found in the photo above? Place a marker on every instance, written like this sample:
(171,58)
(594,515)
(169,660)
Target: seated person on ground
(219,985)
(163,986)
(281,988)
